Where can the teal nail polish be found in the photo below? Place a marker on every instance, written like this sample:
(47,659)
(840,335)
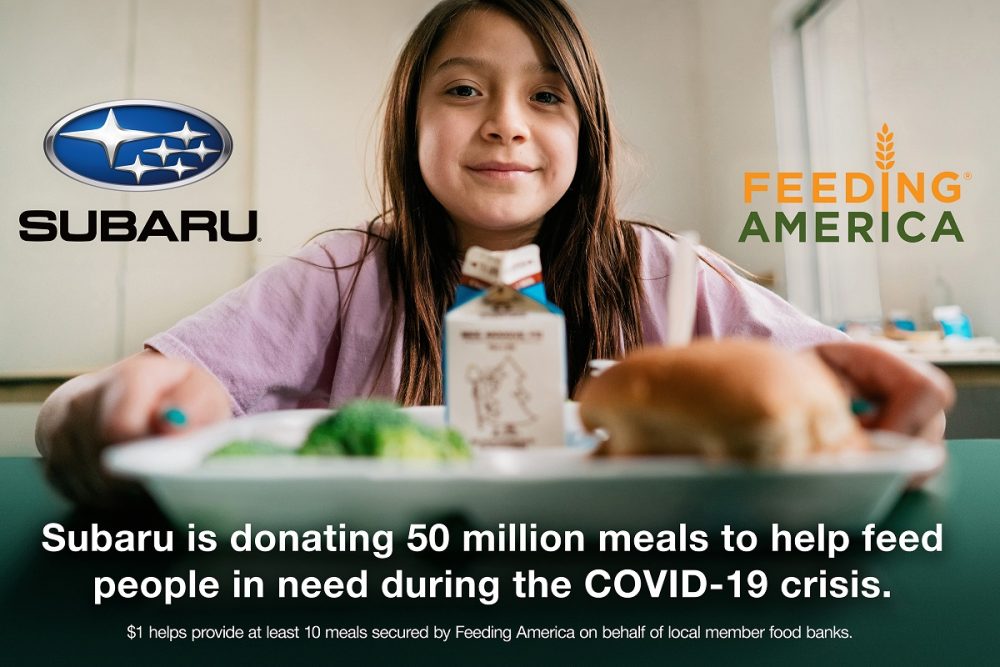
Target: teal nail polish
(860,406)
(174,416)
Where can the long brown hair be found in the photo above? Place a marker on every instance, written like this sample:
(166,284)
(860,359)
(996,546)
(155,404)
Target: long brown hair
(590,257)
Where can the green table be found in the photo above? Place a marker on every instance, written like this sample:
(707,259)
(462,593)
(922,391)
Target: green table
(943,606)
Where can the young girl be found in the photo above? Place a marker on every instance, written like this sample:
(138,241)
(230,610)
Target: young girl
(496,134)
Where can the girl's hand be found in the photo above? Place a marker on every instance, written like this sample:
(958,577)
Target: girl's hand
(910,397)
(141,396)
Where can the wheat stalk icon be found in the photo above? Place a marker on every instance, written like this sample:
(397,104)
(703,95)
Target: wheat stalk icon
(884,160)
(884,155)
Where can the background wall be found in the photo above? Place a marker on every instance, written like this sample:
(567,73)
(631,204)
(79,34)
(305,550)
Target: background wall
(932,73)
(735,103)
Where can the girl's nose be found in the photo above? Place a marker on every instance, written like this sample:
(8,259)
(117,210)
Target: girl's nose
(506,121)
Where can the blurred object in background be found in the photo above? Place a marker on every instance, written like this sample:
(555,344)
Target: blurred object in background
(954,323)
(901,320)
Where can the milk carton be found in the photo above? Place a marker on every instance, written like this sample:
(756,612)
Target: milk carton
(505,353)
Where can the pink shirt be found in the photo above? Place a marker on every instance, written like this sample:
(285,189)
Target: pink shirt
(274,342)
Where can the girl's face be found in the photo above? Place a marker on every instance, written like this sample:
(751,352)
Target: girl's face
(497,131)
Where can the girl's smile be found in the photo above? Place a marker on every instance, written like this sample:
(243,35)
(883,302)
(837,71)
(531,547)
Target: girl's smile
(501,171)
(497,130)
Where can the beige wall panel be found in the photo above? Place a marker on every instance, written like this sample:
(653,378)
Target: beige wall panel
(200,54)
(58,301)
(932,73)
(322,70)
(737,133)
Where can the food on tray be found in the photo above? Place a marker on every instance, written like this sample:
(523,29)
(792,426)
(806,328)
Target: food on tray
(729,400)
(251,448)
(364,428)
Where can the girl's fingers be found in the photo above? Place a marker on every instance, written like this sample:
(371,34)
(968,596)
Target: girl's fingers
(132,396)
(933,430)
(916,404)
(912,396)
(197,400)
(912,410)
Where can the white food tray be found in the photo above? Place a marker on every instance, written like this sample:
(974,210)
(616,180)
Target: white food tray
(560,487)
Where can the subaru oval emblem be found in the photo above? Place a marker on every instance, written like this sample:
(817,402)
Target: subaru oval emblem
(138,145)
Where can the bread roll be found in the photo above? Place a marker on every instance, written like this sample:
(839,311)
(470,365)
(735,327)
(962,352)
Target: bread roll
(731,399)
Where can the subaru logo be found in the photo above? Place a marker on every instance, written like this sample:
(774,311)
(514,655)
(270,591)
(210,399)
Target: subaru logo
(138,145)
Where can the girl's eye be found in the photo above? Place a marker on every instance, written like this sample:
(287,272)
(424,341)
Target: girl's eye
(547,98)
(463,91)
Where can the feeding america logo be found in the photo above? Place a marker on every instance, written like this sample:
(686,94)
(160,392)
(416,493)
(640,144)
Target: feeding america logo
(138,145)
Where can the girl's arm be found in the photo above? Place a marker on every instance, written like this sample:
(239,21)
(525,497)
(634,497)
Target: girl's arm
(141,396)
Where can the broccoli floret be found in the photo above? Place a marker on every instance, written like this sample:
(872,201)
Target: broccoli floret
(250,448)
(458,448)
(351,430)
(379,428)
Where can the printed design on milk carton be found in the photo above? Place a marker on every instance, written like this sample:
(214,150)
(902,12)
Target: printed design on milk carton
(505,353)
(501,397)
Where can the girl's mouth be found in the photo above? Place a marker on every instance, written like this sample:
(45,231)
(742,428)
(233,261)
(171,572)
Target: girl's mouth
(501,171)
